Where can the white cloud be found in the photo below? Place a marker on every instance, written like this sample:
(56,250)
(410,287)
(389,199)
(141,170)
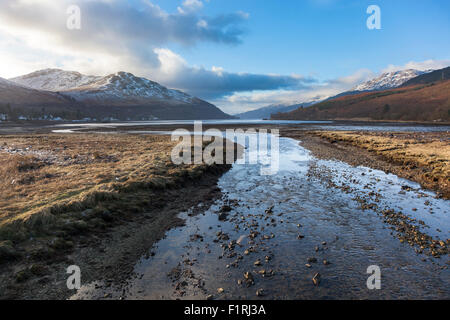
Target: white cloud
(112,30)
(419,65)
(218,70)
(190,6)
(202,24)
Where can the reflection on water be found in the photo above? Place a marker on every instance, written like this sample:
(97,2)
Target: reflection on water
(313,125)
(344,239)
(189,122)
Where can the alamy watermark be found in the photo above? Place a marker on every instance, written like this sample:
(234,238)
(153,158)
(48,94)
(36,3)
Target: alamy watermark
(74,280)
(374,20)
(374,280)
(74,17)
(261,147)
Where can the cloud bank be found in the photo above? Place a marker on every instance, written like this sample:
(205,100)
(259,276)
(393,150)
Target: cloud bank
(420,65)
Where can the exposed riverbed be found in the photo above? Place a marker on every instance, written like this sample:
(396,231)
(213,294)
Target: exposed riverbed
(283,229)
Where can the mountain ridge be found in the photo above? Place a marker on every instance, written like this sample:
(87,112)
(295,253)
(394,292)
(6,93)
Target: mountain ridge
(267,111)
(434,76)
(121,95)
(389,80)
(424,100)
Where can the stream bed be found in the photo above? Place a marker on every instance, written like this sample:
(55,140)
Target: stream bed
(314,219)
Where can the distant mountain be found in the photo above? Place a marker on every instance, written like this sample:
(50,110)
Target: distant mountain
(266,112)
(426,101)
(120,96)
(118,88)
(389,80)
(434,76)
(386,81)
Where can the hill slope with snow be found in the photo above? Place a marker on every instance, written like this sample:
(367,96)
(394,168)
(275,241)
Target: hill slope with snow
(424,98)
(121,95)
(389,80)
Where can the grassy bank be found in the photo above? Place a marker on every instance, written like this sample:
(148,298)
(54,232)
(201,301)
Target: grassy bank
(96,200)
(48,181)
(422,157)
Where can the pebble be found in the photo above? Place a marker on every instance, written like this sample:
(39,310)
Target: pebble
(316,279)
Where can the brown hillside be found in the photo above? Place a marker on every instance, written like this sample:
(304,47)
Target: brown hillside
(427,102)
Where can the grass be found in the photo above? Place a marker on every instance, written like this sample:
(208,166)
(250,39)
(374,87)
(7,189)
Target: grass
(66,182)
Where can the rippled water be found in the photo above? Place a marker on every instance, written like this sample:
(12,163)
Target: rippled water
(334,226)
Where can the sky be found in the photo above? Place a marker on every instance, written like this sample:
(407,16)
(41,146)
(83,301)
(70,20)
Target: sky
(237,54)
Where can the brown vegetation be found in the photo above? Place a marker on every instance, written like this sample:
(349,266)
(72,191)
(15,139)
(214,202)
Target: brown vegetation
(425,102)
(428,155)
(94,200)
(48,181)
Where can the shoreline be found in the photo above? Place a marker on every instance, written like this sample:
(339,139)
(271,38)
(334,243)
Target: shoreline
(347,147)
(46,127)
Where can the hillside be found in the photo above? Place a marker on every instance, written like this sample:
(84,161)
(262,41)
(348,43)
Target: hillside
(120,96)
(16,95)
(17,101)
(266,112)
(438,75)
(426,102)
(389,80)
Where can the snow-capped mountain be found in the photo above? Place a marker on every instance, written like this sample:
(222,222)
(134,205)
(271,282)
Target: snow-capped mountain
(120,96)
(389,80)
(55,80)
(268,111)
(4,84)
(118,87)
(125,87)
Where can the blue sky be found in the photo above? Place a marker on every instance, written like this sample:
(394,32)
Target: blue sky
(239,55)
(325,38)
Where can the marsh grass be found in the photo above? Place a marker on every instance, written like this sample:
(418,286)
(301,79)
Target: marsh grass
(55,182)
